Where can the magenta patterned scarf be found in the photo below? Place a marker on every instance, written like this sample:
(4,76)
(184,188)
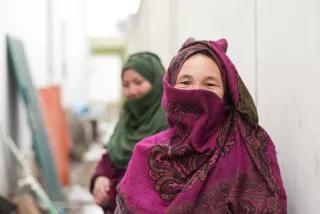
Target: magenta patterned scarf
(214,158)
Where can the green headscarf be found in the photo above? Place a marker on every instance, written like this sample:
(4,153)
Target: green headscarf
(141,117)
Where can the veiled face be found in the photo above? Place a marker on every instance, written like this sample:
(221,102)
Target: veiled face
(134,85)
(200,72)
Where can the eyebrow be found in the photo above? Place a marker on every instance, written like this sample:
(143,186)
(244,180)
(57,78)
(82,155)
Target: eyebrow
(190,76)
(138,78)
(212,78)
(185,76)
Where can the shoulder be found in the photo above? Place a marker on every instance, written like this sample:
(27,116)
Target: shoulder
(152,140)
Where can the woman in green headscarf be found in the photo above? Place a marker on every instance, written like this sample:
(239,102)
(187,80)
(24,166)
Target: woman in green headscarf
(141,116)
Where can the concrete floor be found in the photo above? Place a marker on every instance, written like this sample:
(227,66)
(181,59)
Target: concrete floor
(80,201)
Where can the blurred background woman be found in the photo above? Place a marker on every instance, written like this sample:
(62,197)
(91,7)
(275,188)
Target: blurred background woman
(141,116)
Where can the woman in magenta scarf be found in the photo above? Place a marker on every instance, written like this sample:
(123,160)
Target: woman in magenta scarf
(214,157)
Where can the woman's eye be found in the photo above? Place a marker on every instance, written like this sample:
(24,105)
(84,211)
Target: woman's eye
(185,82)
(138,82)
(210,84)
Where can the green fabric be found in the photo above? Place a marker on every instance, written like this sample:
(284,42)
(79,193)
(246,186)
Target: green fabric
(141,117)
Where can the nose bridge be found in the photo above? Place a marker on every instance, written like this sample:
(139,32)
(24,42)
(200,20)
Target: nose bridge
(132,89)
(197,85)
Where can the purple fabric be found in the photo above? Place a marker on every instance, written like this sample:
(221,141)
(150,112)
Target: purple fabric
(107,169)
(214,158)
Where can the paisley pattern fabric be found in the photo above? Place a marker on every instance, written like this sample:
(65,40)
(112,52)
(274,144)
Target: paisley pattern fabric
(214,157)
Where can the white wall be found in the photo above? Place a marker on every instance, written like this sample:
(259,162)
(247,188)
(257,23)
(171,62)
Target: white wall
(54,35)
(104,79)
(27,20)
(76,53)
(67,48)
(3,99)
(151,31)
(275,46)
(288,94)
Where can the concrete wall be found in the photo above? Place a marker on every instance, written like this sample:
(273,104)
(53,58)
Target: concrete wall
(27,20)
(3,102)
(104,79)
(76,52)
(288,99)
(150,30)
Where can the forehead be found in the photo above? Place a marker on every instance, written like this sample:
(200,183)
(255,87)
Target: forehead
(199,65)
(131,73)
